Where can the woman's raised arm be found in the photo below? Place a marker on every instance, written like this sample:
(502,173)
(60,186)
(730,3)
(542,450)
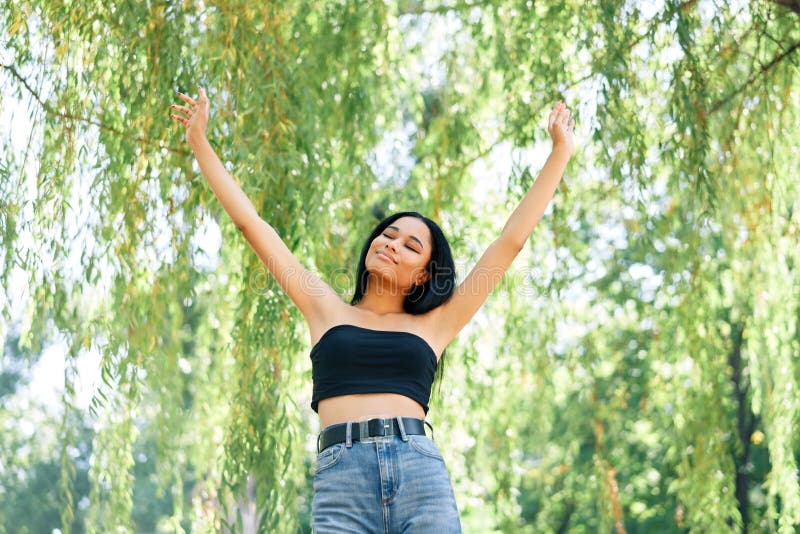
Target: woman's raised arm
(468,297)
(230,195)
(313,297)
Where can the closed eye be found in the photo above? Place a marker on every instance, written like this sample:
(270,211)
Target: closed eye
(407,246)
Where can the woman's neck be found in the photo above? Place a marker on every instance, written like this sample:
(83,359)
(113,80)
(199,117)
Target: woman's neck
(381,305)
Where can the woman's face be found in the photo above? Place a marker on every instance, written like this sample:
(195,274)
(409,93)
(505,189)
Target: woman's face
(406,244)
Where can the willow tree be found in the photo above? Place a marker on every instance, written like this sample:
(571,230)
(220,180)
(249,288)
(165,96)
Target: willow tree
(646,372)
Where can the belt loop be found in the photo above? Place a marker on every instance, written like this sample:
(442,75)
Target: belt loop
(429,426)
(403,435)
(349,436)
(319,435)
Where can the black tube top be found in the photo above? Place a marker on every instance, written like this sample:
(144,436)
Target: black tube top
(352,359)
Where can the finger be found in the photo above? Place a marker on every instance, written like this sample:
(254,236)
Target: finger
(187,99)
(558,109)
(202,96)
(180,119)
(182,109)
(553,116)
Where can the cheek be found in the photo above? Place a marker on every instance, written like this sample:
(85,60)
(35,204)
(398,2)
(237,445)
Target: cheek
(419,267)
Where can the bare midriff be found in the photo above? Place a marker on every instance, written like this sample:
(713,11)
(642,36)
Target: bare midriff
(363,406)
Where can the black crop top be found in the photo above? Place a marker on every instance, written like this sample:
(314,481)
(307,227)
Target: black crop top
(353,359)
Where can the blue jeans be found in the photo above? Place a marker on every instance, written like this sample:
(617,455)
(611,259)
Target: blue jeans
(383,484)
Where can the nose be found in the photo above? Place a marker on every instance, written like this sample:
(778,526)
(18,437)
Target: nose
(392,246)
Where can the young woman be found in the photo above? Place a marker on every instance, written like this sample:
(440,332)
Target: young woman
(373,360)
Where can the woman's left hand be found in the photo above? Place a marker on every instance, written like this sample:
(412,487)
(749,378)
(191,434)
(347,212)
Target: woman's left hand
(560,127)
(195,115)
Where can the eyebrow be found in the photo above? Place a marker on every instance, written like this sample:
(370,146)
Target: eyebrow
(412,237)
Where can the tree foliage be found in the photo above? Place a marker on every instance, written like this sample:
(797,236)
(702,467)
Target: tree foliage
(637,371)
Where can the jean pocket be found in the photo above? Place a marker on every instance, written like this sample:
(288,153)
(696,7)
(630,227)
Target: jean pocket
(329,457)
(424,445)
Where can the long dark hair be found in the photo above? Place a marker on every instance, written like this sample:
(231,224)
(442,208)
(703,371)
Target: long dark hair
(440,285)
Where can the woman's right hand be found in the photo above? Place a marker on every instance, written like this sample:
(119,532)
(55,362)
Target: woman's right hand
(561,128)
(194,116)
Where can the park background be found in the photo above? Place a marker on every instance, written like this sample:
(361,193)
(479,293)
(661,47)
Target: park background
(637,370)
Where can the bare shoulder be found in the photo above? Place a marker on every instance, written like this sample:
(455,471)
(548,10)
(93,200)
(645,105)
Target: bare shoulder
(334,312)
(428,326)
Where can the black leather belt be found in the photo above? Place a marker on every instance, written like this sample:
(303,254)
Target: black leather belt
(373,427)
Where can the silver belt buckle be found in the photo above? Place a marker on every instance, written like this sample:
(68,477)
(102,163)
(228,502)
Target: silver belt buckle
(363,429)
(387,424)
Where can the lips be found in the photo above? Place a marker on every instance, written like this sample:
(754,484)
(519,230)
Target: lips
(380,253)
